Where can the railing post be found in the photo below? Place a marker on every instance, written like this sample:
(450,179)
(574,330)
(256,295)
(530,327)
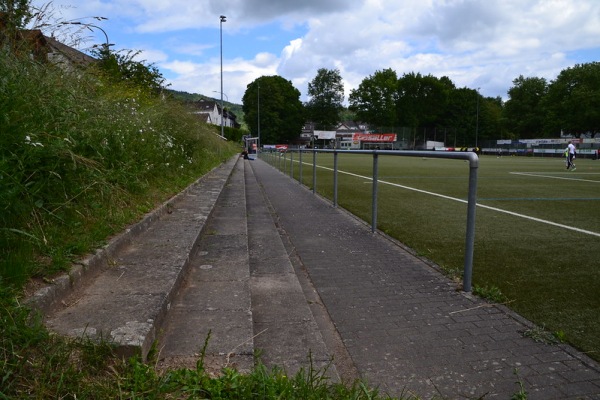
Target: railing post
(314,171)
(335,179)
(300,177)
(374,197)
(470,237)
(292,164)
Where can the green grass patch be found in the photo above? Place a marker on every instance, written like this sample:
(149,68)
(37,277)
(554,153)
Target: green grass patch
(38,365)
(491,293)
(524,248)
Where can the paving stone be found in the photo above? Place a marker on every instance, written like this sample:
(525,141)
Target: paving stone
(405,326)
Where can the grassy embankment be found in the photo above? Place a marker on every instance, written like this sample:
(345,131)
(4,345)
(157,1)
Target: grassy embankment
(81,158)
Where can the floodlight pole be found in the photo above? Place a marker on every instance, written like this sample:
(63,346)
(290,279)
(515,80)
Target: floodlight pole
(258,117)
(477,120)
(222,19)
(224,94)
(89,26)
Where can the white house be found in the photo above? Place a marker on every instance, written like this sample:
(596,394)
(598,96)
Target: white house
(210,111)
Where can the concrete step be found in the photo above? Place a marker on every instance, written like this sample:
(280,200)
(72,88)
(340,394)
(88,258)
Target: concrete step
(242,294)
(123,292)
(285,329)
(210,276)
(213,304)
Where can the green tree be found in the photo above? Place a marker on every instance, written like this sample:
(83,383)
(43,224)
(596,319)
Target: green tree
(374,101)
(573,100)
(14,15)
(490,120)
(460,117)
(326,92)
(278,104)
(121,66)
(422,100)
(523,112)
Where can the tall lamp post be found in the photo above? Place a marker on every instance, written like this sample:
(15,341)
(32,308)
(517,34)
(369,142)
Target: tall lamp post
(258,112)
(224,94)
(223,19)
(477,120)
(89,26)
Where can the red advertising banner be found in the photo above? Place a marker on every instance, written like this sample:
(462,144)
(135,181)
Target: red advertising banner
(276,146)
(374,137)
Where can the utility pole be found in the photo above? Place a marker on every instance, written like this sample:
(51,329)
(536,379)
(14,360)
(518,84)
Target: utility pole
(223,19)
(477,120)
(258,111)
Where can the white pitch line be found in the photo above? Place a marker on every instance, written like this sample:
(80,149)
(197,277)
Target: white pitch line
(553,177)
(543,221)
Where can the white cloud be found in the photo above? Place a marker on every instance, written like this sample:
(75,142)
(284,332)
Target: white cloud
(476,43)
(152,56)
(181,67)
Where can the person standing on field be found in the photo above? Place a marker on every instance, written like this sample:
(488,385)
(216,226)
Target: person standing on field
(570,155)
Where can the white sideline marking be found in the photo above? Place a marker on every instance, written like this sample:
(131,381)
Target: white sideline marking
(543,221)
(552,177)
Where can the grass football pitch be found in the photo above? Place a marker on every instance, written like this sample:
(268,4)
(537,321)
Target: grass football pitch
(537,237)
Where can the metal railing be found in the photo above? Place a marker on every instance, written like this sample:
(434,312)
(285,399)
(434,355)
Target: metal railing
(279,158)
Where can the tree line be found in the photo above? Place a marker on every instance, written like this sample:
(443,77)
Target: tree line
(430,107)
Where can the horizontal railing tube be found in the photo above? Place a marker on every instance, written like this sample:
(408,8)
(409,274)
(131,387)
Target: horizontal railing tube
(471,157)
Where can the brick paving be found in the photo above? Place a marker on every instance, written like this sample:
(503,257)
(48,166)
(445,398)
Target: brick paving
(404,325)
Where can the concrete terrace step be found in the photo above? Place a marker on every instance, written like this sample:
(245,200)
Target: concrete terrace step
(214,301)
(242,289)
(123,292)
(285,328)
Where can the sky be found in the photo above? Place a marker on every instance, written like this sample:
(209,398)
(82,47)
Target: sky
(479,44)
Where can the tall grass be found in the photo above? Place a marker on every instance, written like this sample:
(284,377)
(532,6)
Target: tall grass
(81,157)
(37,365)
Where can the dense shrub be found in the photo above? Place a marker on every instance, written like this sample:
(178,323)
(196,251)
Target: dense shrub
(75,149)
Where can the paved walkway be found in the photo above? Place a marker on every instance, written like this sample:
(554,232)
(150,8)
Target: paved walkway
(404,326)
(264,264)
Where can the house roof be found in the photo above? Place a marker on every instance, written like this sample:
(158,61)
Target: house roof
(206,105)
(204,116)
(72,55)
(42,47)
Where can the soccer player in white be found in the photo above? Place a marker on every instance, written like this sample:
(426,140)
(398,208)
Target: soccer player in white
(570,155)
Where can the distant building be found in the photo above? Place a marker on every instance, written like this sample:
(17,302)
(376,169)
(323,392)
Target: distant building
(42,48)
(306,135)
(63,55)
(346,129)
(47,49)
(340,138)
(210,111)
